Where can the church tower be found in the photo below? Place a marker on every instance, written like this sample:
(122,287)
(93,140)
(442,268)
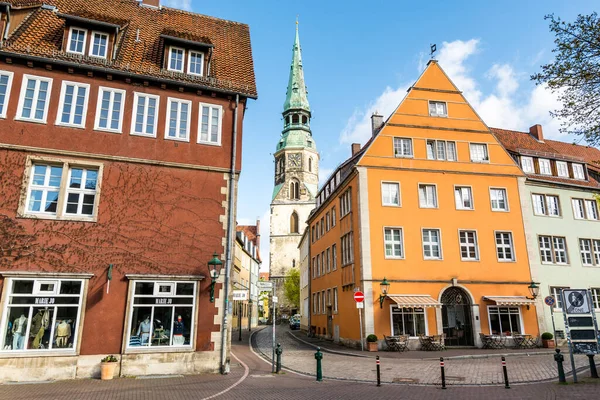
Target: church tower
(296,177)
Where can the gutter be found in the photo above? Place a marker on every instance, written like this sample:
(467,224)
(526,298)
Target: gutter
(229,243)
(123,73)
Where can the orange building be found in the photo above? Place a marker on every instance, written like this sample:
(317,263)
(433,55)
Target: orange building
(431,205)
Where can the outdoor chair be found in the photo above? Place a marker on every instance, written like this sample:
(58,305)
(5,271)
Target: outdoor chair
(403,342)
(392,342)
(437,342)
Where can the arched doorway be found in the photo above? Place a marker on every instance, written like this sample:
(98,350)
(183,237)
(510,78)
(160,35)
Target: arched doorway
(456,317)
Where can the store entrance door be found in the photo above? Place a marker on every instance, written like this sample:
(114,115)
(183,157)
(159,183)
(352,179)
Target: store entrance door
(456,317)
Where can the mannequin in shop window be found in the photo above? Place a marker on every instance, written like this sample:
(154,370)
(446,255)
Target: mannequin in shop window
(178,328)
(39,324)
(144,330)
(62,333)
(19,328)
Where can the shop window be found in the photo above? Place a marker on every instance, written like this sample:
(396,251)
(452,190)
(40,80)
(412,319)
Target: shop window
(162,314)
(41,315)
(504,320)
(408,321)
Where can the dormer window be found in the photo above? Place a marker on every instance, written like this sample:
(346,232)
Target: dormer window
(195,63)
(562,169)
(176,59)
(99,44)
(545,168)
(578,172)
(77,40)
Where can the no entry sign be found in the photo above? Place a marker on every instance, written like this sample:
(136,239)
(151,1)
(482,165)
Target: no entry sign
(359,297)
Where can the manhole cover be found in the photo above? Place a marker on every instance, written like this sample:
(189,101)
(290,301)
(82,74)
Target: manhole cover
(405,380)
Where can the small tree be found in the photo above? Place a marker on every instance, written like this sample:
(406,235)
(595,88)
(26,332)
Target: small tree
(575,75)
(291,287)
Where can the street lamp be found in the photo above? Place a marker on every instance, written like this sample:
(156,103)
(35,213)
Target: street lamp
(214,268)
(534,289)
(385,287)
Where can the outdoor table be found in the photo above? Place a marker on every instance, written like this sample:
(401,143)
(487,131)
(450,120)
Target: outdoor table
(525,341)
(393,343)
(492,341)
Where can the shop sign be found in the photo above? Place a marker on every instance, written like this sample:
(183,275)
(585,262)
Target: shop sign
(45,300)
(239,295)
(163,301)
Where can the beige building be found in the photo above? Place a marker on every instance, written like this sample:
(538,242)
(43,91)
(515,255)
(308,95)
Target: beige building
(304,264)
(245,275)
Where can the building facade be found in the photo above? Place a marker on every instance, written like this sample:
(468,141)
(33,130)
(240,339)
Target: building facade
(118,121)
(430,205)
(560,212)
(245,275)
(296,179)
(304,247)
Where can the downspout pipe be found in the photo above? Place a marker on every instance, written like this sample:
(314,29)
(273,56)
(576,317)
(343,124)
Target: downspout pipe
(229,242)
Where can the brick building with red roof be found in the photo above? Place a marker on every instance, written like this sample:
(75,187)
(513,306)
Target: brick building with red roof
(120,150)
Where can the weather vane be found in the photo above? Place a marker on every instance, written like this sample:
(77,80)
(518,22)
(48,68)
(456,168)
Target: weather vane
(433,49)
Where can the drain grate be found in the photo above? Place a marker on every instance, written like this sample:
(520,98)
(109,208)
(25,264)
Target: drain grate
(455,378)
(405,380)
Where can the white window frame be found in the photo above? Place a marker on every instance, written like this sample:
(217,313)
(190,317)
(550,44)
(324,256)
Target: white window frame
(26,78)
(461,206)
(394,243)
(509,307)
(562,169)
(578,171)
(545,204)
(402,312)
(504,246)
(10,76)
(334,256)
(346,203)
(171,100)
(189,63)
(486,158)
(128,322)
(586,253)
(554,292)
(435,196)
(82,191)
(335,299)
(431,244)
(545,166)
(136,98)
(171,48)
(61,104)
(85,34)
(595,292)
(444,114)
(591,209)
(113,91)
(400,141)
(527,165)
(581,202)
(553,250)
(91,48)
(435,154)
(596,251)
(384,201)
(475,245)
(36,293)
(211,108)
(505,191)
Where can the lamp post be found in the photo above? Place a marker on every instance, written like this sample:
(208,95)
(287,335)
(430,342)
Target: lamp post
(214,268)
(534,289)
(385,287)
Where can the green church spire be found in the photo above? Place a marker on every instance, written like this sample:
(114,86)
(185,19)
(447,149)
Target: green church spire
(297,95)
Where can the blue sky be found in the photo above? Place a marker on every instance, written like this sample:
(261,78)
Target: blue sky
(361,56)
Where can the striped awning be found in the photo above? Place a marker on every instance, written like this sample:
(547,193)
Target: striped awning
(510,300)
(414,300)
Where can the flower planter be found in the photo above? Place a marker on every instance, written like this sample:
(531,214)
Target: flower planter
(372,346)
(107,370)
(548,344)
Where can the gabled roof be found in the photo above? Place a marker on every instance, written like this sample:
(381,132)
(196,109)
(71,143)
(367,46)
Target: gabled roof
(231,70)
(251,233)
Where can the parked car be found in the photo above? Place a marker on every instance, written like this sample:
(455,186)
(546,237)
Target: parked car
(294,323)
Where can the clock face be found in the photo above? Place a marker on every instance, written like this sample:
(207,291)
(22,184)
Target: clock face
(295,160)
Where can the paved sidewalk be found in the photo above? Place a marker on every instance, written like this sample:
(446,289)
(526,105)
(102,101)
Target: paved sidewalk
(299,357)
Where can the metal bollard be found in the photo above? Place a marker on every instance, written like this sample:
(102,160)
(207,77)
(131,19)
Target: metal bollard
(278,351)
(443,373)
(593,370)
(378,371)
(506,385)
(319,357)
(559,358)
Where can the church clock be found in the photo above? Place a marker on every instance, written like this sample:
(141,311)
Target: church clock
(295,160)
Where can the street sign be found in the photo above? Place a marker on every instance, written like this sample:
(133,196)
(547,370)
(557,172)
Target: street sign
(359,296)
(549,300)
(360,305)
(239,295)
(275,299)
(576,301)
(264,286)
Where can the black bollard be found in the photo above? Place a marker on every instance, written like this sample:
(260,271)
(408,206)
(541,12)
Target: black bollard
(319,357)
(278,351)
(378,371)
(559,358)
(506,385)
(593,370)
(443,373)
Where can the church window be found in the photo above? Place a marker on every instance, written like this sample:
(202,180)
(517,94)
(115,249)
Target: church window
(304,120)
(310,164)
(294,223)
(294,190)
(295,119)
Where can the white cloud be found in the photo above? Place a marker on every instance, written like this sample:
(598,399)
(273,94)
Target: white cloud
(180,4)
(507,105)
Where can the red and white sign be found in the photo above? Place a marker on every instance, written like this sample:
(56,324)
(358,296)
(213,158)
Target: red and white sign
(359,297)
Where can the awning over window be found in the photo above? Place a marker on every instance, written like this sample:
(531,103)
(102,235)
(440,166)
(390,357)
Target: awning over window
(414,300)
(510,300)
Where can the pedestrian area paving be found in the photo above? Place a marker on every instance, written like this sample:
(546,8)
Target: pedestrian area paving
(299,356)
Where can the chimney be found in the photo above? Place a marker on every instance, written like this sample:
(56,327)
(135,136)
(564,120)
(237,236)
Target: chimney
(355,148)
(536,132)
(376,122)
(150,3)
(257,235)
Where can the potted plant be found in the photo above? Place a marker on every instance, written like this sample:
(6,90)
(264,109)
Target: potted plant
(548,340)
(372,342)
(107,367)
